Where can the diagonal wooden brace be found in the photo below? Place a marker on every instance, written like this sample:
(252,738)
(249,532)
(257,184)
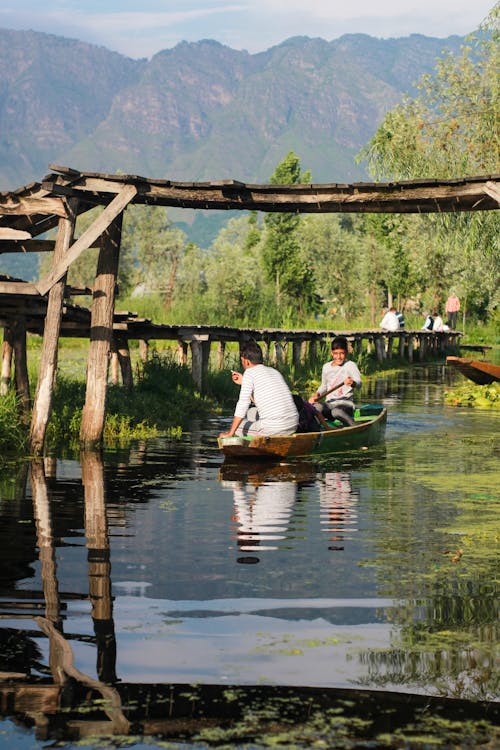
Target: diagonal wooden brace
(90,235)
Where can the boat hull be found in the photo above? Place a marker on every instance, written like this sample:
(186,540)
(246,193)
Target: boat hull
(482,373)
(368,431)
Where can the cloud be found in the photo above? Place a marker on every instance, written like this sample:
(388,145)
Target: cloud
(141,30)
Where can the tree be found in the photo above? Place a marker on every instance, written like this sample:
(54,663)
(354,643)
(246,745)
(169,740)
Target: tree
(156,247)
(452,129)
(284,263)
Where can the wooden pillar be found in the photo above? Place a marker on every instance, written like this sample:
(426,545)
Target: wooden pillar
(296,353)
(182,350)
(402,343)
(279,352)
(390,342)
(115,365)
(411,343)
(123,352)
(422,347)
(143,350)
(221,350)
(101,334)
(7,351)
(48,360)
(313,351)
(21,367)
(200,354)
(380,347)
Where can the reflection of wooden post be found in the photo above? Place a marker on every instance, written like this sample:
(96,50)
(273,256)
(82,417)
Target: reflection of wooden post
(200,354)
(41,508)
(7,350)
(21,365)
(96,531)
(48,361)
(101,332)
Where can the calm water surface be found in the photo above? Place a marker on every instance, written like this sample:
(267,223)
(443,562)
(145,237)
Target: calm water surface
(163,564)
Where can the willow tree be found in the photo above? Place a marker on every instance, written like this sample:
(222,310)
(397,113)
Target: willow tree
(452,129)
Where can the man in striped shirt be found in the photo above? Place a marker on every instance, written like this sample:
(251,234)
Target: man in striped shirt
(273,411)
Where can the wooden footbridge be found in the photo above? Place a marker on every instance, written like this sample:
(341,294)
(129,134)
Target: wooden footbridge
(43,307)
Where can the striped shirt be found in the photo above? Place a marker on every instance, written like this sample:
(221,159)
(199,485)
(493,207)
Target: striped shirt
(271,395)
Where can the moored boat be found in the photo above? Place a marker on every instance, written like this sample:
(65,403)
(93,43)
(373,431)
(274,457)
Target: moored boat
(476,370)
(369,428)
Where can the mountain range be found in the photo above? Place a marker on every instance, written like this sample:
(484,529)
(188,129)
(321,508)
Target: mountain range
(200,111)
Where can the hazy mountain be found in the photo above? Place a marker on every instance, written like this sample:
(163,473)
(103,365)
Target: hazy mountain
(201,110)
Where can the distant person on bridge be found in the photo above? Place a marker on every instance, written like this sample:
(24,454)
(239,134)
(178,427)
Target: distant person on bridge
(451,309)
(338,380)
(390,321)
(273,411)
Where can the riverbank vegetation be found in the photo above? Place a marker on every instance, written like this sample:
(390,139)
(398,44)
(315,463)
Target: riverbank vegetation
(309,271)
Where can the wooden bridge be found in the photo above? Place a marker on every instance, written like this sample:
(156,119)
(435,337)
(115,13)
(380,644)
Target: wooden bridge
(29,212)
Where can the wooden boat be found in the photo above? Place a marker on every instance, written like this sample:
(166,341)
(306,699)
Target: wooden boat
(368,430)
(480,372)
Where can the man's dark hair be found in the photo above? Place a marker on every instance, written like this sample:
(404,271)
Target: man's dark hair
(252,351)
(340,342)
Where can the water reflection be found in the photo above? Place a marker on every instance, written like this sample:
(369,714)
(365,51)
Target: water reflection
(338,504)
(263,498)
(130,564)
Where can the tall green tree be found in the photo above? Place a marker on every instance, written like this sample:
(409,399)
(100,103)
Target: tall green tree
(156,247)
(451,130)
(284,262)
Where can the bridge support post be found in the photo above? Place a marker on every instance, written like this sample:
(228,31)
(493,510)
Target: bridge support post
(101,334)
(47,370)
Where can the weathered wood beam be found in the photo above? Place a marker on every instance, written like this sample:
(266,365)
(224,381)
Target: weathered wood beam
(101,332)
(48,360)
(6,233)
(423,196)
(19,287)
(29,206)
(29,246)
(96,229)
(493,190)
(26,246)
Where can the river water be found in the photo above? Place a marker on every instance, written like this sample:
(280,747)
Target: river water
(161,564)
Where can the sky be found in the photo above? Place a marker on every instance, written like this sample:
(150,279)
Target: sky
(140,28)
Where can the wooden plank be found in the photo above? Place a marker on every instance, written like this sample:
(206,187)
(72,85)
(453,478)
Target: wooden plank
(28,246)
(30,206)
(6,233)
(493,191)
(102,222)
(18,287)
